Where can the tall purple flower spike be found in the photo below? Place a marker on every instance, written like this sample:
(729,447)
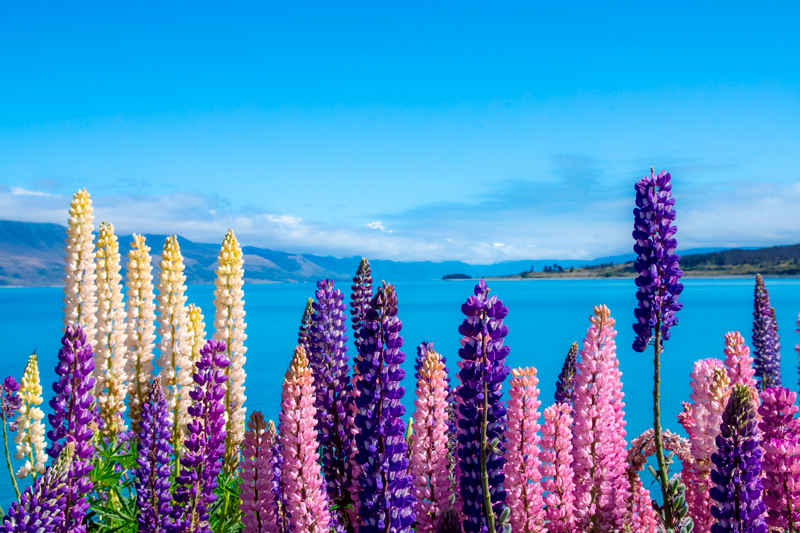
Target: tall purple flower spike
(387,502)
(304,336)
(565,386)
(360,297)
(329,364)
(11,401)
(205,442)
(737,469)
(155,452)
(71,421)
(657,263)
(766,359)
(479,398)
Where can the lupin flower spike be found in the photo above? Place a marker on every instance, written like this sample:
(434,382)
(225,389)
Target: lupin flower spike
(601,487)
(304,336)
(204,446)
(153,472)
(565,386)
(360,297)
(229,327)
(30,436)
(73,415)
(737,469)
(80,291)
(110,350)
(766,359)
(387,501)
(306,504)
(738,361)
(482,414)
(141,327)
(259,506)
(781,445)
(197,334)
(429,457)
(523,465)
(556,468)
(797,347)
(11,402)
(40,509)
(277,485)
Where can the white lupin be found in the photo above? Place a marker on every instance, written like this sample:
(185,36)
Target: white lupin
(30,435)
(110,354)
(229,327)
(173,331)
(80,297)
(141,327)
(196,338)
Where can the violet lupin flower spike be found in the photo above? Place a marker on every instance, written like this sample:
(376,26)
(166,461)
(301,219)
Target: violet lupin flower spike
(766,361)
(387,502)
(556,468)
(259,506)
(360,297)
(11,403)
(155,453)
(565,386)
(201,461)
(482,415)
(277,485)
(304,336)
(73,414)
(737,469)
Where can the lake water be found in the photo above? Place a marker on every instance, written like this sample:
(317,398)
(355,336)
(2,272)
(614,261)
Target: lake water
(545,317)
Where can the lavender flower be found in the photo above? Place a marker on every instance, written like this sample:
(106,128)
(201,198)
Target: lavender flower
(387,503)
(277,484)
(304,337)
(155,452)
(482,421)
(40,509)
(767,360)
(360,297)
(10,403)
(73,414)
(737,469)
(205,442)
(565,386)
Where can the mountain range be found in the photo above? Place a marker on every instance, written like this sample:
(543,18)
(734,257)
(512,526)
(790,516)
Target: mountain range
(32,255)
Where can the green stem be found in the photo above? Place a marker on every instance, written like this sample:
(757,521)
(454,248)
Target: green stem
(662,466)
(487,497)
(8,460)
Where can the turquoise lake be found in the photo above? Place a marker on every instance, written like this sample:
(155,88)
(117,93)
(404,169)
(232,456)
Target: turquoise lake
(545,317)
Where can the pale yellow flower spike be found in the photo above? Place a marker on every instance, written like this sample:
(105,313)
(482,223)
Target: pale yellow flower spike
(141,327)
(79,282)
(195,341)
(229,327)
(173,323)
(110,354)
(30,436)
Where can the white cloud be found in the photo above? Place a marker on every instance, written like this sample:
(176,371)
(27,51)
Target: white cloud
(25,192)
(378,225)
(498,244)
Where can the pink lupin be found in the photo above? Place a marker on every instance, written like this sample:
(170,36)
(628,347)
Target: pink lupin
(259,508)
(556,468)
(739,361)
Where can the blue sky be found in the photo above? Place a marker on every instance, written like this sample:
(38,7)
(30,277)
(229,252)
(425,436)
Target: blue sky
(479,132)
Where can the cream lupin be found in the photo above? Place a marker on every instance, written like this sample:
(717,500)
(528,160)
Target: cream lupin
(173,323)
(195,340)
(80,299)
(30,436)
(141,327)
(229,326)
(110,353)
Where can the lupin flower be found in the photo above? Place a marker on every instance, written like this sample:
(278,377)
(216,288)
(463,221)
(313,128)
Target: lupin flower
(738,361)
(482,414)
(30,436)
(781,445)
(429,457)
(110,354)
(797,346)
(523,465)
(304,336)
(141,327)
(153,472)
(601,487)
(173,323)
(565,386)
(40,509)
(448,522)
(328,363)
(556,468)
(197,334)
(259,506)
(306,504)
(73,414)
(80,298)
(204,446)
(229,327)
(776,345)
(737,469)
(10,402)
(277,484)
(766,359)
(360,297)
(386,498)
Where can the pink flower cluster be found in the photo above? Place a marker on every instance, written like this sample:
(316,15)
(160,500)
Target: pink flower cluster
(556,468)
(259,508)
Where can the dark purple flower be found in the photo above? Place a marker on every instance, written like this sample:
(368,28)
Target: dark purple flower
(155,452)
(766,359)
(360,297)
(40,509)
(11,402)
(387,502)
(71,421)
(304,337)
(483,371)
(565,386)
(277,484)
(737,469)
(657,263)
(205,442)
